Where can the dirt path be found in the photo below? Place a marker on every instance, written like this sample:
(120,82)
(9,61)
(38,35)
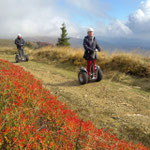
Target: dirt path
(109,105)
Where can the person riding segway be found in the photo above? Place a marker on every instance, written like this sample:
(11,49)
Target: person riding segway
(93,72)
(19,41)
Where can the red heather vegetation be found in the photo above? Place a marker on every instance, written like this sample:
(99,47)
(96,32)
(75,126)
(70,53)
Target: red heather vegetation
(31,118)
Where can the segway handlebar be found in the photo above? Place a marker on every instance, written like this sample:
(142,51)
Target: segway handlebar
(20,44)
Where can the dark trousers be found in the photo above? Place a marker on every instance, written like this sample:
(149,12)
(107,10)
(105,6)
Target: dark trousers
(89,64)
(21,52)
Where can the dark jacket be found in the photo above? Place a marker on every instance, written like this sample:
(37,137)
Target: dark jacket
(20,43)
(90,46)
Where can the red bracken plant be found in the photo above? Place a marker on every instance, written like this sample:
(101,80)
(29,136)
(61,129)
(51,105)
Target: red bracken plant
(32,118)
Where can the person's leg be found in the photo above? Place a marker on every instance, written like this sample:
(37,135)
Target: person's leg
(89,63)
(22,50)
(19,52)
(94,63)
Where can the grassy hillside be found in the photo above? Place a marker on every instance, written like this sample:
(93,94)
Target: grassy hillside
(6,43)
(120,103)
(129,63)
(128,68)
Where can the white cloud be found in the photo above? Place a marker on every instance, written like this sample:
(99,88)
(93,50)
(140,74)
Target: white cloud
(44,17)
(139,21)
(117,28)
(33,17)
(93,7)
(137,25)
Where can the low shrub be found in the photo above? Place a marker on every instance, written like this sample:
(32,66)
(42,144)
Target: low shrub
(31,118)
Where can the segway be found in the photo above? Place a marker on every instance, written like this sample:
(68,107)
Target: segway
(96,75)
(23,58)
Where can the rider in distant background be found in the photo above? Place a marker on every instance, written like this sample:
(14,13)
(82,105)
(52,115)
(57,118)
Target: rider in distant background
(20,45)
(90,45)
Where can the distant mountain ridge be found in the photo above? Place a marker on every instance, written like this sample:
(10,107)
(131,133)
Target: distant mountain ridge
(108,44)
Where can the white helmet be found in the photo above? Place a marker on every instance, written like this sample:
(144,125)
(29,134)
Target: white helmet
(19,35)
(90,30)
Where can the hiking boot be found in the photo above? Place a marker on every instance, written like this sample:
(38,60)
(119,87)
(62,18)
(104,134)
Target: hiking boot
(94,75)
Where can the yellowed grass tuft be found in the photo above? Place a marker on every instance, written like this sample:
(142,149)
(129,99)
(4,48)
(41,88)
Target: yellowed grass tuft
(129,63)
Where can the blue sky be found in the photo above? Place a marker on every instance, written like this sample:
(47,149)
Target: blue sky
(117,18)
(122,8)
(115,9)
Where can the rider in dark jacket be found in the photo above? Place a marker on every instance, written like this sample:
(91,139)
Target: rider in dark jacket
(91,46)
(19,41)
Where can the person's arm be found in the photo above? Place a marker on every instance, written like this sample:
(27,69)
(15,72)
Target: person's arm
(16,41)
(86,47)
(18,44)
(98,47)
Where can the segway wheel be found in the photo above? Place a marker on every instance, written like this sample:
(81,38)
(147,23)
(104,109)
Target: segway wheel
(99,74)
(83,77)
(17,58)
(27,58)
